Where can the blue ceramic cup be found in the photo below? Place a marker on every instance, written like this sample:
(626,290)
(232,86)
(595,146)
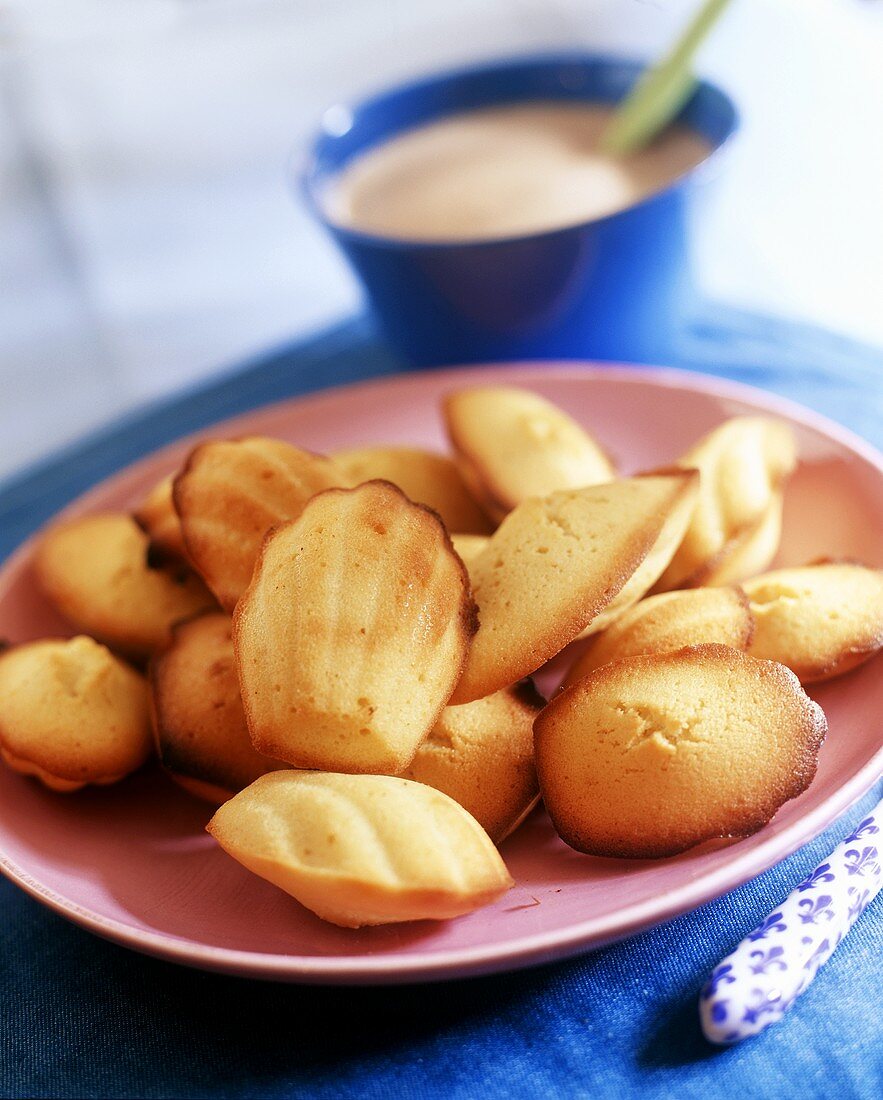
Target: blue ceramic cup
(616,287)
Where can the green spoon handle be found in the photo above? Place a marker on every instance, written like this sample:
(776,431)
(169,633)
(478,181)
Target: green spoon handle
(662,90)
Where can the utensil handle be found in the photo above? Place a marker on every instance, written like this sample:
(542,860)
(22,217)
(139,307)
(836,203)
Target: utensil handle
(757,983)
(662,90)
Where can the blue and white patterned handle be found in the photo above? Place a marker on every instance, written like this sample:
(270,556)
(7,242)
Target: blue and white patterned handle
(757,984)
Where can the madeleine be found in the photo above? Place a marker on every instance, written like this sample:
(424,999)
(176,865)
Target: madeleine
(362,849)
(819,620)
(556,563)
(512,444)
(72,713)
(648,756)
(95,571)
(353,633)
(231,492)
(671,621)
(423,477)
(735,528)
(199,723)
(157,518)
(481,755)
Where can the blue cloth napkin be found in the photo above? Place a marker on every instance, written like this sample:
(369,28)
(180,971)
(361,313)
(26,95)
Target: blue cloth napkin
(81,1017)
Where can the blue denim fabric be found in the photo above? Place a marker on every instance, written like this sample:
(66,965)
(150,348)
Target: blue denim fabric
(81,1017)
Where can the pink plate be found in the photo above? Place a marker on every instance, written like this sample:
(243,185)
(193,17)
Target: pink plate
(133,863)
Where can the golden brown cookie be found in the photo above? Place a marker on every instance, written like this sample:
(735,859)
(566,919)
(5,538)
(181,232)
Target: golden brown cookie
(556,563)
(424,477)
(671,621)
(648,756)
(95,571)
(231,492)
(512,444)
(72,713)
(481,755)
(744,465)
(353,633)
(199,722)
(362,849)
(819,620)
(157,518)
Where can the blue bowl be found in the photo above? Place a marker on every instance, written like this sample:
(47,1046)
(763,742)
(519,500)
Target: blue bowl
(616,287)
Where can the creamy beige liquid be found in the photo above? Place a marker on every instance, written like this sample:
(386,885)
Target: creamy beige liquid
(501,172)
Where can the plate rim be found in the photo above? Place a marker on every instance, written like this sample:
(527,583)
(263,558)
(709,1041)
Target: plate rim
(538,947)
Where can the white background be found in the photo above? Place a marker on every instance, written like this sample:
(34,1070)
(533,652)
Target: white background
(148,236)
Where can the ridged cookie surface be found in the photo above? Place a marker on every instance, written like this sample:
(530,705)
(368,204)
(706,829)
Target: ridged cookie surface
(734,531)
(650,755)
(512,444)
(423,477)
(670,621)
(819,620)
(481,754)
(362,849)
(95,571)
(72,713)
(556,563)
(353,633)
(199,722)
(231,492)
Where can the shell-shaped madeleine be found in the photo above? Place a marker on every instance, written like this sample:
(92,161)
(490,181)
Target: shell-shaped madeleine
(648,756)
(157,518)
(556,563)
(231,492)
(199,723)
(819,620)
(353,633)
(95,571)
(671,621)
(744,464)
(481,754)
(72,713)
(362,849)
(512,444)
(424,477)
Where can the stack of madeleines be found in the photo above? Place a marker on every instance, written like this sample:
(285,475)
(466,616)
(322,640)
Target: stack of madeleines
(338,652)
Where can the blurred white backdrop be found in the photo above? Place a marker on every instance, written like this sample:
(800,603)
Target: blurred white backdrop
(149,235)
